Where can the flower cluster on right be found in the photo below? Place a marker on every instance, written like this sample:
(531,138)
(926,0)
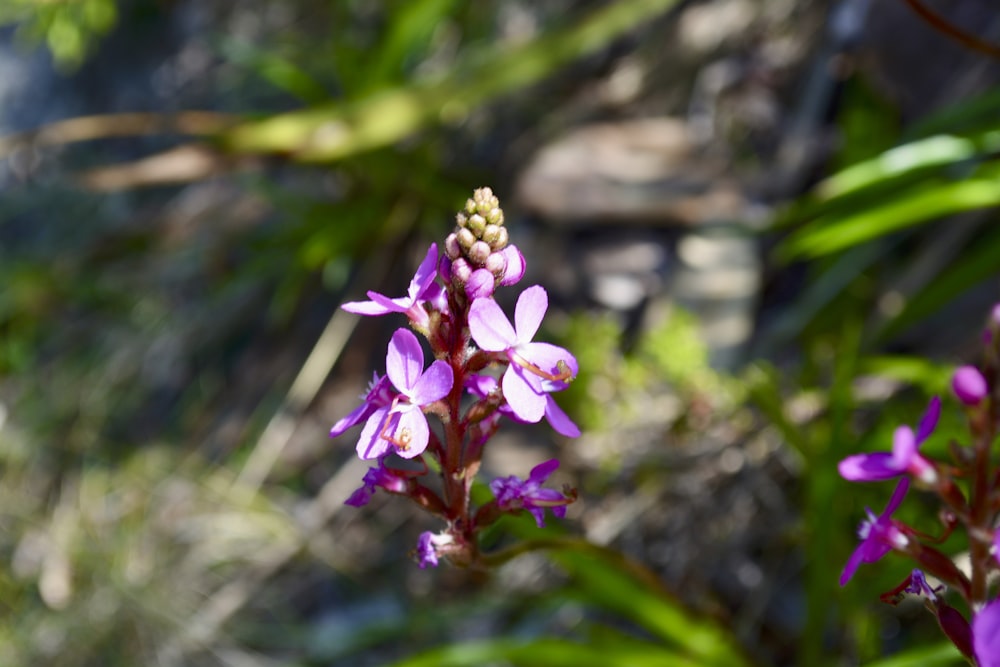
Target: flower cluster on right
(969,490)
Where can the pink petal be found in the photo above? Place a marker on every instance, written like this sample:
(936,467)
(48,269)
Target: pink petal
(559,420)
(397,305)
(929,420)
(529,312)
(541,472)
(904,447)
(434,384)
(371,445)
(415,422)
(404,362)
(425,274)
(366,308)
(489,327)
(526,401)
(361,412)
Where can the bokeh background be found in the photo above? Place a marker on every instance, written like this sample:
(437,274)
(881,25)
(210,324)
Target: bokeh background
(768,232)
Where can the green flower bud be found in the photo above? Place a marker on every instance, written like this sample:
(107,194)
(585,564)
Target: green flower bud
(465,238)
(477,224)
(479,252)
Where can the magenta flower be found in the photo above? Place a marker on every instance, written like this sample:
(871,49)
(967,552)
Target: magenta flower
(429,548)
(986,635)
(379,395)
(401,425)
(377,477)
(969,385)
(422,288)
(904,457)
(530,363)
(879,534)
(513,493)
(483,385)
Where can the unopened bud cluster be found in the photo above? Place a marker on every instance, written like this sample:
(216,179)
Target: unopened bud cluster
(478,240)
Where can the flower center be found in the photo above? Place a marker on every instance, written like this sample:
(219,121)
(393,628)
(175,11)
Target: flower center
(398,438)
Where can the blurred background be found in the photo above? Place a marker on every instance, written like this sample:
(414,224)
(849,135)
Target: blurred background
(768,232)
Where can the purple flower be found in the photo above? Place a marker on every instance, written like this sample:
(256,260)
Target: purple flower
(379,395)
(918,585)
(986,635)
(401,426)
(969,385)
(428,546)
(422,288)
(377,477)
(513,493)
(904,457)
(483,385)
(530,363)
(879,534)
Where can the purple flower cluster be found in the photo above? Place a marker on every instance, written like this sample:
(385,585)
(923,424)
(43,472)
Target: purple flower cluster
(485,368)
(969,490)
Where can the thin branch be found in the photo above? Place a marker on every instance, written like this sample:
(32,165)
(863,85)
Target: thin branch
(948,28)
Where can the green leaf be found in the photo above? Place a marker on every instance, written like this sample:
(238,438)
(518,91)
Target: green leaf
(832,234)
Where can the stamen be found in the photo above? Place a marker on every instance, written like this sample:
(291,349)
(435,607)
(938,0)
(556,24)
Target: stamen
(564,374)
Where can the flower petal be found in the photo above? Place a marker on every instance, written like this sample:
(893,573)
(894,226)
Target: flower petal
(559,420)
(904,448)
(541,472)
(434,384)
(873,467)
(527,402)
(404,361)
(489,327)
(529,312)
(412,422)
(356,416)
(397,305)
(371,445)
(986,635)
(424,276)
(366,308)
(929,420)
(852,565)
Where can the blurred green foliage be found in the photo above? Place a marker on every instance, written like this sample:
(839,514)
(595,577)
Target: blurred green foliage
(69,28)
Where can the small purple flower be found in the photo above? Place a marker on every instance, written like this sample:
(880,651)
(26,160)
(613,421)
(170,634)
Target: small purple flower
(879,534)
(379,395)
(904,457)
(969,385)
(530,363)
(375,478)
(422,288)
(986,635)
(513,493)
(428,546)
(401,426)
(918,585)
